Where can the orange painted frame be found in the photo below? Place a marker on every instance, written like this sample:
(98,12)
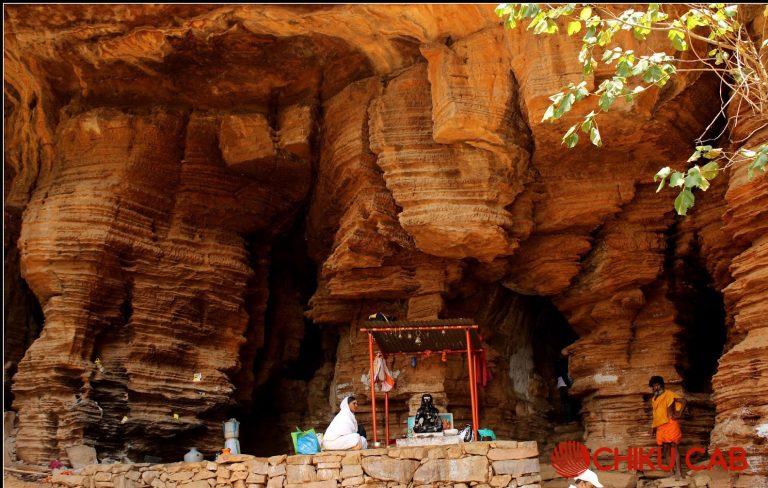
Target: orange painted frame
(470,364)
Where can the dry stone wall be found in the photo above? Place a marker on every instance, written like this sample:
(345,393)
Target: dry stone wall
(497,464)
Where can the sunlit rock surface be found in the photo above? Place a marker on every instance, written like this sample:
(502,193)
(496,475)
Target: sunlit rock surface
(198,197)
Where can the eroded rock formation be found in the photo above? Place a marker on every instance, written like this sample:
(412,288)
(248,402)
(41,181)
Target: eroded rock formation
(180,180)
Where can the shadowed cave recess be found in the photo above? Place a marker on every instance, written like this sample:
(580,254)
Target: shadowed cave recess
(204,204)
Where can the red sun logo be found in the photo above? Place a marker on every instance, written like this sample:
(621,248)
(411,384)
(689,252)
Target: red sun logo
(570,458)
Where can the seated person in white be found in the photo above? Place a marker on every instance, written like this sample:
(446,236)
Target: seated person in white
(342,434)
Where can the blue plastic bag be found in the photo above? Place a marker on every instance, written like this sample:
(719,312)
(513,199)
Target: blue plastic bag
(305,442)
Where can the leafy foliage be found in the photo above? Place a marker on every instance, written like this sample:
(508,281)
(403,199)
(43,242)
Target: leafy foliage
(732,55)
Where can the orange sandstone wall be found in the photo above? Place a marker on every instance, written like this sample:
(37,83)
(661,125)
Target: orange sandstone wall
(157,156)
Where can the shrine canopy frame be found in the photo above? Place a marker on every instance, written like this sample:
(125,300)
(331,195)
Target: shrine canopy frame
(452,336)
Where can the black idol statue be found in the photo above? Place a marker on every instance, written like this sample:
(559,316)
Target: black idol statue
(427,418)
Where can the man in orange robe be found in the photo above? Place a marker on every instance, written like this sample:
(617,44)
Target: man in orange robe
(667,406)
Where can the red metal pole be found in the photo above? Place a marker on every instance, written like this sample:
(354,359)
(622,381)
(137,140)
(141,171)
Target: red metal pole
(386,419)
(439,327)
(473,399)
(477,398)
(449,351)
(373,384)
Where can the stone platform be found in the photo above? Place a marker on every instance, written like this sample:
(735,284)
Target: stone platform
(497,464)
(434,440)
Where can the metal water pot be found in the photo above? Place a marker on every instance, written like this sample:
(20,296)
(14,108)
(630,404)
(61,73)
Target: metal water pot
(231,429)
(193,456)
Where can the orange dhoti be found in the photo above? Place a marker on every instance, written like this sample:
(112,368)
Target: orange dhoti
(669,432)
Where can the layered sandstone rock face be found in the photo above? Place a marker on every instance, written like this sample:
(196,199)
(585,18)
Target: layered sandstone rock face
(170,170)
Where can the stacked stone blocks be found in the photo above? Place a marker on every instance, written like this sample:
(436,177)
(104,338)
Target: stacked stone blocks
(496,464)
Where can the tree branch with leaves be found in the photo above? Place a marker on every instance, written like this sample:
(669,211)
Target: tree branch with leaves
(715,36)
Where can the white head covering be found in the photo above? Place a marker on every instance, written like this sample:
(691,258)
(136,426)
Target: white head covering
(590,476)
(343,423)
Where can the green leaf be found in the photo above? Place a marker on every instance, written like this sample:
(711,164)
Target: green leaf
(551,26)
(581,91)
(586,13)
(669,70)
(713,153)
(538,22)
(594,137)
(549,114)
(653,74)
(624,68)
(640,33)
(663,173)
(703,185)
(694,177)
(758,164)
(677,179)
(678,41)
(565,106)
(529,10)
(589,34)
(502,9)
(731,10)
(604,38)
(694,157)
(541,26)
(606,100)
(661,185)
(690,22)
(588,67)
(571,138)
(640,67)
(709,170)
(574,27)
(684,201)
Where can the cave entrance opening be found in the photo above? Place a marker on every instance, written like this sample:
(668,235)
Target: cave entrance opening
(551,334)
(701,342)
(701,313)
(525,336)
(23,320)
(284,351)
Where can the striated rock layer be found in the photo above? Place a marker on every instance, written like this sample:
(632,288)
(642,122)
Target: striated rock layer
(207,202)
(150,291)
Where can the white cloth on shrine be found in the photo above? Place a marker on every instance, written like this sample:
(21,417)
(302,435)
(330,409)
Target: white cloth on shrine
(382,376)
